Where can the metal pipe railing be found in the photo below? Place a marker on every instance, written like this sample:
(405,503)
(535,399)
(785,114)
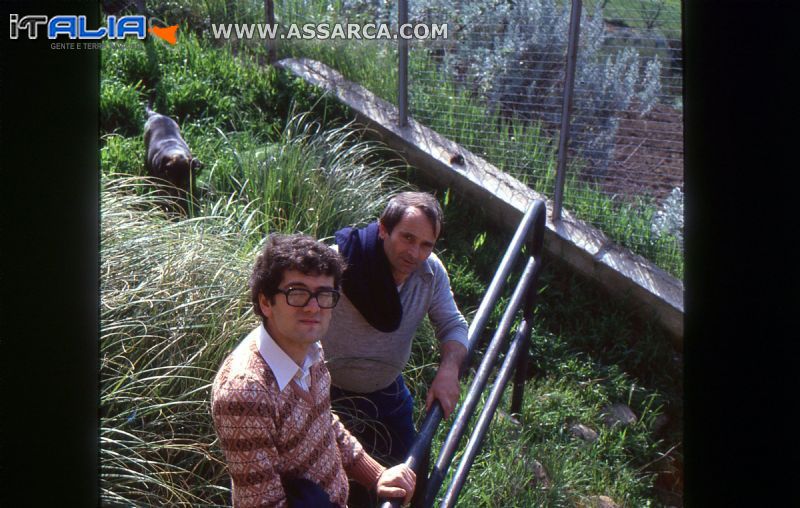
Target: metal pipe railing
(566,109)
(518,346)
(535,214)
(269,11)
(479,382)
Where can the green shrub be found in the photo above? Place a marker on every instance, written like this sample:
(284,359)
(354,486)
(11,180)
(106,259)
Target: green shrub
(121,155)
(121,107)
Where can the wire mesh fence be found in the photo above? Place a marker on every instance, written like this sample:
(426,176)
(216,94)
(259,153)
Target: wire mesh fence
(503,79)
(495,85)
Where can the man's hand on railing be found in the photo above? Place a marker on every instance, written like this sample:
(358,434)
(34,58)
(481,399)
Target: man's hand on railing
(445,387)
(397,481)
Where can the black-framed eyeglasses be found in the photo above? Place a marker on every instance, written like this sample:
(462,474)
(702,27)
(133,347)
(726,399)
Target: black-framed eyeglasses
(299,297)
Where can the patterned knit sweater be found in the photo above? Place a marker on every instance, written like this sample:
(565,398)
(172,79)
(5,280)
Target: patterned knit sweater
(268,434)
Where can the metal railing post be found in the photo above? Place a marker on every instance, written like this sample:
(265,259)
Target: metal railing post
(521,373)
(269,10)
(566,110)
(536,247)
(402,69)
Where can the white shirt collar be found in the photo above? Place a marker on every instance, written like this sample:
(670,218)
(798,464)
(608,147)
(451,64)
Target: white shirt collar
(283,367)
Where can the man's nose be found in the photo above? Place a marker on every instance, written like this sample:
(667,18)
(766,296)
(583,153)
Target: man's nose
(312,305)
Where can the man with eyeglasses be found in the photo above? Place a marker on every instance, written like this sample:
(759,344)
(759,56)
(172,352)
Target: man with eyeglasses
(270,400)
(392,281)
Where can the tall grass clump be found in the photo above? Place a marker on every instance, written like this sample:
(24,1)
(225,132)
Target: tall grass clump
(311,179)
(173,302)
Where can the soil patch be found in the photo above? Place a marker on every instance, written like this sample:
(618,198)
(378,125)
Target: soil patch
(648,158)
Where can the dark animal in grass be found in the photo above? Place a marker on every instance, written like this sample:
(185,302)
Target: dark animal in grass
(169,159)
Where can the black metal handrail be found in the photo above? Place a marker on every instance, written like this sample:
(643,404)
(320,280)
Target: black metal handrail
(518,347)
(531,232)
(478,384)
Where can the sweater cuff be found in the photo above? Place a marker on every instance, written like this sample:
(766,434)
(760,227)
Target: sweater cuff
(457,337)
(366,471)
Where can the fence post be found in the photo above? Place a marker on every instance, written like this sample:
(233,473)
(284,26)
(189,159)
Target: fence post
(269,9)
(402,69)
(566,110)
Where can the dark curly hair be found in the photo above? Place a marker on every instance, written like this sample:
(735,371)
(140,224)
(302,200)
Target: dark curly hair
(425,202)
(291,252)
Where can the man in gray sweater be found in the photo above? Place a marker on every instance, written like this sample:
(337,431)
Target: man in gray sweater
(392,281)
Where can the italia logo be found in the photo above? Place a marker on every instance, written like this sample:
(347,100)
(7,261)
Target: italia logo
(74,27)
(169,33)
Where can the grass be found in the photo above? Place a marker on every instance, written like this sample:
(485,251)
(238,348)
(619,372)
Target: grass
(281,163)
(310,180)
(307,179)
(174,298)
(664,15)
(172,303)
(573,390)
(200,86)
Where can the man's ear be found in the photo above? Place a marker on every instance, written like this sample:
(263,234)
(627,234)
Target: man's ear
(264,305)
(382,232)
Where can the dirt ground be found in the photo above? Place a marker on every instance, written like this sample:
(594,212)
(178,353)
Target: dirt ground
(648,159)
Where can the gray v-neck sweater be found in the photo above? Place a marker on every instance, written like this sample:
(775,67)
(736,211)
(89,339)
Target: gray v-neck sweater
(363,359)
